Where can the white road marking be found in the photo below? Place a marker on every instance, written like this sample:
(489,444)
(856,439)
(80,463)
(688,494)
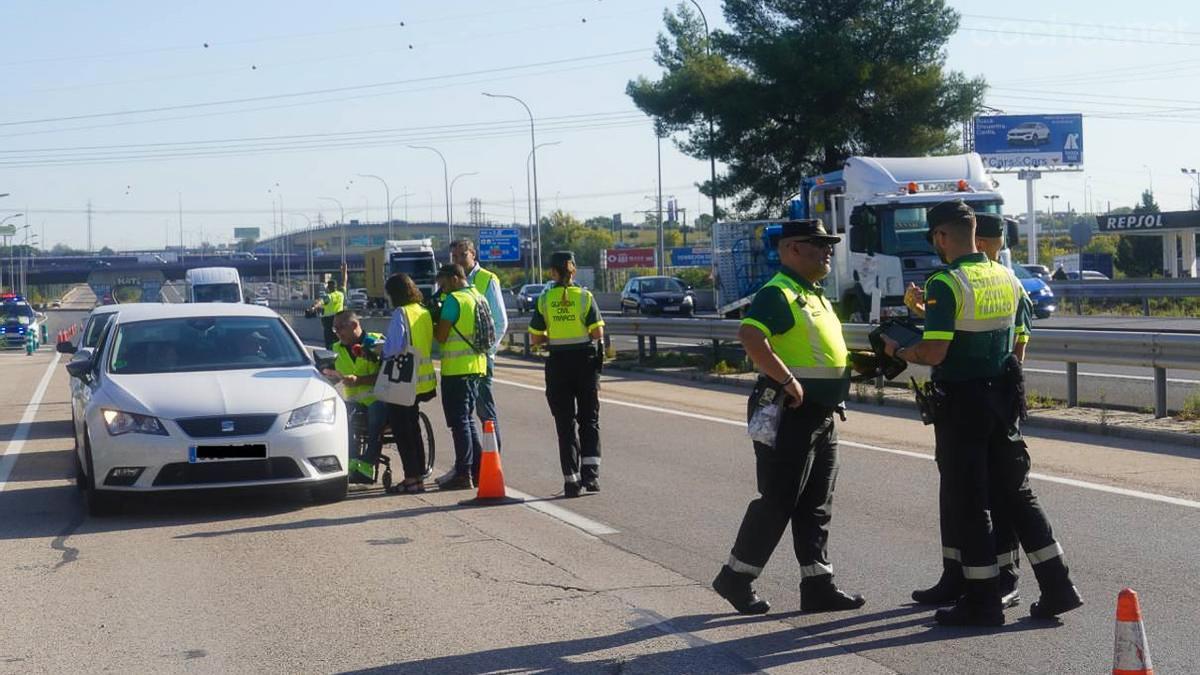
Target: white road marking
(565,515)
(9,459)
(1149,496)
(1140,378)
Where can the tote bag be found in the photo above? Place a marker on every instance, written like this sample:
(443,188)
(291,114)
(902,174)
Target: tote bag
(397,380)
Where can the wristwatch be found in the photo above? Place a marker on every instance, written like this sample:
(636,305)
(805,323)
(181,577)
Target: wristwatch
(896,354)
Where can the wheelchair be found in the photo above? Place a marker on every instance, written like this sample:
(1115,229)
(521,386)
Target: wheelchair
(358,423)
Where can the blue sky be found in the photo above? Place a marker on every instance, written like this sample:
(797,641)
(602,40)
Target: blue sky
(350,85)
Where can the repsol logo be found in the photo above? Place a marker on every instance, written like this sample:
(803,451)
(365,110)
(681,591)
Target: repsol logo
(1148,221)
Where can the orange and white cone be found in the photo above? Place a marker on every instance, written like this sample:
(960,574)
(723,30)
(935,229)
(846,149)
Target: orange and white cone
(1131,654)
(491,475)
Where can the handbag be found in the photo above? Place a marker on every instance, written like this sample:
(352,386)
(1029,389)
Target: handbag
(397,379)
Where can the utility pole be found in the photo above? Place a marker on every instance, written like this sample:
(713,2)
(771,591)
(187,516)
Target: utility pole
(182,248)
(659,256)
(89,226)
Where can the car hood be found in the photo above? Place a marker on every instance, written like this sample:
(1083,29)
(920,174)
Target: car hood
(230,392)
(1032,286)
(665,295)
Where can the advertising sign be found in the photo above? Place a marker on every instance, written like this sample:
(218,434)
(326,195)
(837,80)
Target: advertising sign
(1009,143)
(8,230)
(500,245)
(240,233)
(619,258)
(691,256)
(1135,223)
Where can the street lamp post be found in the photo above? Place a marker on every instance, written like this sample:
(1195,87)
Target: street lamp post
(9,240)
(535,227)
(1194,174)
(712,157)
(405,195)
(446,185)
(309,270)
(1051,198)
(537,214)
(341,222)
(387,193)
(1149,176)
(451,194)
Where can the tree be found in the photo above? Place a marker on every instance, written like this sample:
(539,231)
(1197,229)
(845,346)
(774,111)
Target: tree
(63,249)
(106,251)
(564,232)
(794,87)
(704,222)
(1140,256)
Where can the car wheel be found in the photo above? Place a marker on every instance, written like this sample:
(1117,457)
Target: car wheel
(329,493)
(100,503)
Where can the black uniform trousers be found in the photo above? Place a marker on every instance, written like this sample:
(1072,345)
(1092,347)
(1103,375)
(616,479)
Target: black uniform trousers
(985,483)
(573,392)
(795,485)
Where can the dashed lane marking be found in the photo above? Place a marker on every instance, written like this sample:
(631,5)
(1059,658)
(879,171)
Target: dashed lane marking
(1138,494)
(9,459)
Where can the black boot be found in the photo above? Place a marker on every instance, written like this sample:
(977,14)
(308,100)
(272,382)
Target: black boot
(1007,583)
(1059,595)
(947,589)
(820,594)
(978,606)
(736,588)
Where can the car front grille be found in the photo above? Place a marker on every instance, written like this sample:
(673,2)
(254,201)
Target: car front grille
(210,427)
(182,473)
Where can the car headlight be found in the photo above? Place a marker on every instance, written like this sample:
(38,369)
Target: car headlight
(649,301)
(321,412)
(120,422)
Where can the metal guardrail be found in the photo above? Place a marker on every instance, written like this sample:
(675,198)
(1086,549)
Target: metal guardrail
(1158,351)
(1142,289)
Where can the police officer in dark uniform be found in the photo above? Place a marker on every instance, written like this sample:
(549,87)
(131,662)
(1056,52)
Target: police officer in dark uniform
(989,239)
(971,313)
(568,321)
(795,340)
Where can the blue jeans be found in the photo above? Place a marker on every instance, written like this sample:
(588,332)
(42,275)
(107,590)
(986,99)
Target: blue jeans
(459,395)
(485,405)
(377,417)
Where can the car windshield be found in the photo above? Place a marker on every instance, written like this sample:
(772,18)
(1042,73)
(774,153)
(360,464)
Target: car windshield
(17,312)
(203,344)
(661,285)
(216,293)
(1021,272)
(534,289)
(92,335)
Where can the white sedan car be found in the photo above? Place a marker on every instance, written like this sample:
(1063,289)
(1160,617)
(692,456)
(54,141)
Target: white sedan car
(200,396)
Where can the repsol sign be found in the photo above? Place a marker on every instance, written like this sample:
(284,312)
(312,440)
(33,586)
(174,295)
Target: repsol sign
(1141,222)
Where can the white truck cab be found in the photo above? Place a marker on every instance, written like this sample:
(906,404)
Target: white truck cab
(214,284)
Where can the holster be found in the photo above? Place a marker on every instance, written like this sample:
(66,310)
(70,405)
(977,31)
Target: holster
(598,356)
(1014,388)
(932,401)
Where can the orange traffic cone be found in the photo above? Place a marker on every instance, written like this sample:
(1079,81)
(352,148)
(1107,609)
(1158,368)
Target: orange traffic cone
(491,475)
(1131,654)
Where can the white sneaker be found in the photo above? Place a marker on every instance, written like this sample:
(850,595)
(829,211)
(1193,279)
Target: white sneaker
(446,477)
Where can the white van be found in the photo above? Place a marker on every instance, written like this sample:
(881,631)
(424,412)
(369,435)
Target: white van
(214,284)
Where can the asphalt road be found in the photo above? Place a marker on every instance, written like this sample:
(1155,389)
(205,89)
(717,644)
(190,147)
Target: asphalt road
(677,475)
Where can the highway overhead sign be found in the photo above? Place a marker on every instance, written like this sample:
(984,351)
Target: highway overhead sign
(500,245)
(1009,143)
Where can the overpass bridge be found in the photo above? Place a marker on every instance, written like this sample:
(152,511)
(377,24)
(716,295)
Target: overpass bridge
(76,269)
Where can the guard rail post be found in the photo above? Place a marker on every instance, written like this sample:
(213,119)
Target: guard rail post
(716,351)
(1146,306)
(1072,384)
(528,347)
(641,348)
(1160,392)
(653,346)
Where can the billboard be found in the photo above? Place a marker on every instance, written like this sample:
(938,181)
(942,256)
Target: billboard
(1135,223)
(1016,142)
(8,230)
(619,258)
(240,233)
(691,256)
(499,245)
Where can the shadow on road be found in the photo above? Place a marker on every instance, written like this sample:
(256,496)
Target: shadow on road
(39,430)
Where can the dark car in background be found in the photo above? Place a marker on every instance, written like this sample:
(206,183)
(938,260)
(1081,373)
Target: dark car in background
(657,296)
(527,296)
(1040,271)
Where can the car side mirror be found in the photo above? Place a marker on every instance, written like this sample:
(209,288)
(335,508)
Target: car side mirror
(80,368)
(66,348)
(324,358)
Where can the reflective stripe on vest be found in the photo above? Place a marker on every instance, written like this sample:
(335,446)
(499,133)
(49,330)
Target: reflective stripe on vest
(813,348)
(987,295)
(348,365)
(458,358)
(565,309)
(420,335)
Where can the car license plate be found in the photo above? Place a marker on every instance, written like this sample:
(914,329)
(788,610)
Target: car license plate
(224,453)
(671,309)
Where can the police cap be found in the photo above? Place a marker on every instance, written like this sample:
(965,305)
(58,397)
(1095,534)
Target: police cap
(807,230)
(952,212)
(561,258)
(989,225)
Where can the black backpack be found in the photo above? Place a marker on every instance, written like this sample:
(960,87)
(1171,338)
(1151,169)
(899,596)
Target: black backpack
(485,330)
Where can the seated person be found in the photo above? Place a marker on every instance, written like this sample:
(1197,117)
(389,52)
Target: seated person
(249,346)
(356,367)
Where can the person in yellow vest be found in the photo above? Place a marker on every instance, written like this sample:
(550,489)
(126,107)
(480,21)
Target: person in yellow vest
(972,310)
(794,338)
(411,324)
(568,322)
(462,253)
(334,302)
(464,364)
(356,368)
